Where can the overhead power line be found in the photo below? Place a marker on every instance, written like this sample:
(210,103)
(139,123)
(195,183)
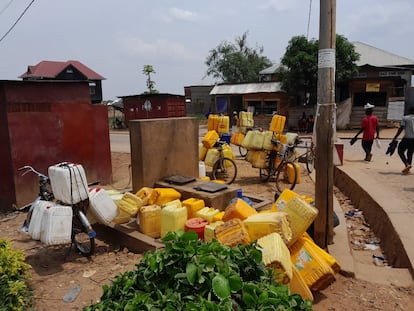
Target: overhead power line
(18,19)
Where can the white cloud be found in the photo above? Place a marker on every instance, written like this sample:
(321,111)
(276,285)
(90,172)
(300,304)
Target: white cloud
(175,14)
(158,49)
(182,15)
(280,5)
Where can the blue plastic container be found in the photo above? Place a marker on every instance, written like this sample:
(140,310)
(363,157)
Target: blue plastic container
(226,137)
(240,196)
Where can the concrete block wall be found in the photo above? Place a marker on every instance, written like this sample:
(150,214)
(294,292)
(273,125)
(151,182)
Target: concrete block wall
(162,148)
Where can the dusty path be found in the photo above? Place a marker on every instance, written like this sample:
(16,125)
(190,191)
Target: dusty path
(55,273)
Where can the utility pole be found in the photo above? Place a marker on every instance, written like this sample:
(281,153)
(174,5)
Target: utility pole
(325,124)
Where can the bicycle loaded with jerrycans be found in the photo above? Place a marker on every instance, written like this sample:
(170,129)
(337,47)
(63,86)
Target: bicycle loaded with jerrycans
(82,233)
(281,160)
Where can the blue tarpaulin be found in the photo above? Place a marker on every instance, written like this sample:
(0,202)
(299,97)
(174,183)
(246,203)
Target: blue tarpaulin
(221,104)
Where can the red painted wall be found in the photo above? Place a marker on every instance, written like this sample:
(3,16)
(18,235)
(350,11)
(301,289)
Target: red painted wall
(7,192)
(162,106)
(48,123)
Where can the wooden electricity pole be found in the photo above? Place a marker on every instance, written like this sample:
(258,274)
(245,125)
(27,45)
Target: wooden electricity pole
(323,226)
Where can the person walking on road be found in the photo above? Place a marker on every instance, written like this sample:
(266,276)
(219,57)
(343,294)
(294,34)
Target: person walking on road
(406,146)
(235,119)
(369,127)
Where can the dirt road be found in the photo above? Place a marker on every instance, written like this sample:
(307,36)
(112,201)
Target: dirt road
(55,271)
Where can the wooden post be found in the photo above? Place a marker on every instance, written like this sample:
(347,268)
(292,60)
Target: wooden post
(323,226)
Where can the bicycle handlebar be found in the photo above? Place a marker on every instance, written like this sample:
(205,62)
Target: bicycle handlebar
(28,169)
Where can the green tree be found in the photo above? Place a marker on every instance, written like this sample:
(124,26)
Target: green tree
(236,62)
(148,70)
(298,72)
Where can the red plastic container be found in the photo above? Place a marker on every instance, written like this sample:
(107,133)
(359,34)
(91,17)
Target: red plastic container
(197,225)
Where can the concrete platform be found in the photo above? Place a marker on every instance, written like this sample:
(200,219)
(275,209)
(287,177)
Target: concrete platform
(219,199)
(129,235)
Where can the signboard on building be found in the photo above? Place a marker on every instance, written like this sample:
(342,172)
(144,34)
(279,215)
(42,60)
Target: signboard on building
(395,111)
(372,87)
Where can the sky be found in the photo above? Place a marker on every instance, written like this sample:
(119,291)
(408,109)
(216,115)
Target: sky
(117,38)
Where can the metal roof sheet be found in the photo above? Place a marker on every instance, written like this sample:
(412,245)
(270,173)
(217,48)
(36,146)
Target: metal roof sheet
(379,58)
(270,70)
(51,69)
(246,88)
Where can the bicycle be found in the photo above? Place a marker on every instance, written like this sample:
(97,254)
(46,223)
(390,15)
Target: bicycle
(243,151)
(307,157)
(82,235)
(278,165)
(224,168)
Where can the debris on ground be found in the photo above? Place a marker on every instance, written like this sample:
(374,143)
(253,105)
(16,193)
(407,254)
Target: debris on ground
(361,237)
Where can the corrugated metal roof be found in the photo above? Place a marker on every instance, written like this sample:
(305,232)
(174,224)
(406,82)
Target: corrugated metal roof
(51,69)
(270,70)
(246,88)
(379,58)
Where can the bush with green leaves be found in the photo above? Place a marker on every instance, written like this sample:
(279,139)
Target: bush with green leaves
(189,274)
(14,292)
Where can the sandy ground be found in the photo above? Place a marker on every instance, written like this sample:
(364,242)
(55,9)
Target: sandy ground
(57,270)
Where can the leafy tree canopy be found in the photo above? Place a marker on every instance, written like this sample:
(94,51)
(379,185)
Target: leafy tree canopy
(299,66)
(236,62)
(148,70)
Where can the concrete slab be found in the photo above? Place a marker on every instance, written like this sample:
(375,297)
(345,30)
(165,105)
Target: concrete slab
(129,235)
(217,200)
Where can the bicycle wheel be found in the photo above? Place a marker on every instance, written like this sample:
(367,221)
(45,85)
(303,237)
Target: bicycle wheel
(83,236)
(285,176)
(225,169)
(26,223)
(242,151)
(266,173)
(310,160)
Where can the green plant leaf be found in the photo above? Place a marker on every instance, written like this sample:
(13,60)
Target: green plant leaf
(191,272)
(221,286)
(235,282)
(190,236)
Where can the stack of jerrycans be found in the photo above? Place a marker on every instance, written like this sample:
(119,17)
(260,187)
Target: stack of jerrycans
(51,223)
(173,217)
(246,119)
(68,182)
(277,124)
(69,186)
(223,126)
(312,264)
(212,122)
(57,225)
(149,215)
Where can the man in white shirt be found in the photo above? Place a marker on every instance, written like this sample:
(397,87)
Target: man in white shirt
(406,146)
